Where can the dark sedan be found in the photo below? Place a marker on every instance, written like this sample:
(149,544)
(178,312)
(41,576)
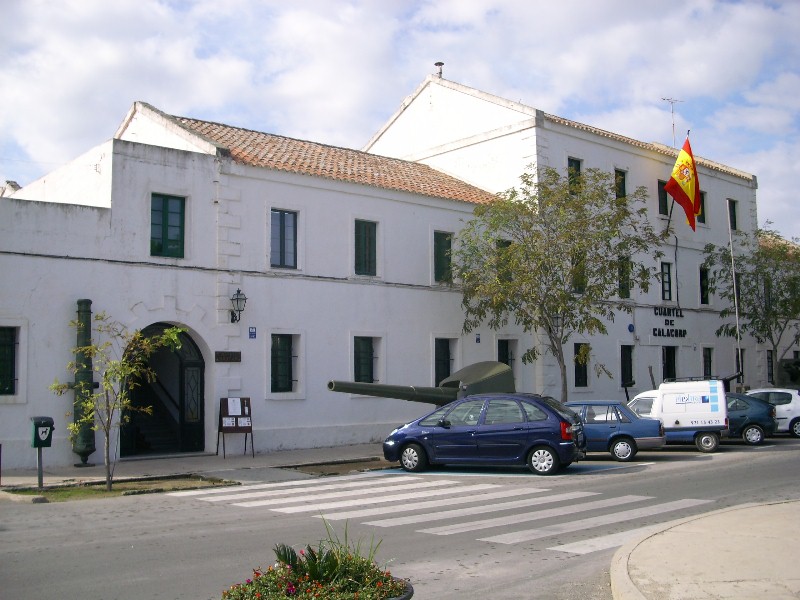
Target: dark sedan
(750,418)
(611,426)
(491,430)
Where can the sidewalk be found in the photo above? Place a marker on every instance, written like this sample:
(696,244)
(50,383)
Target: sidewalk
(737,553)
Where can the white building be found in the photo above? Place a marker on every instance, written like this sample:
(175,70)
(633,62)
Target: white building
(275,217)
(490,141)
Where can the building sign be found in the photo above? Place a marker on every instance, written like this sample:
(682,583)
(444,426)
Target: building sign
(227,357)
(669,329)
(235,416)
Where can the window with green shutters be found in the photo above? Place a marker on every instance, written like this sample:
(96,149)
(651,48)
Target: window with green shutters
(666,281)
(366,233)
(663,199)
(626,365)
(581,369)
(282,379)
(8,361)
(283,239)
(166,225)
(669,362)
(704,288)
(619,183)
(624,266)
(363,359)
(442,243)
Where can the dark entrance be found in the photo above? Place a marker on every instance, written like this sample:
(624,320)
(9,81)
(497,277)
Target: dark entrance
(176,397)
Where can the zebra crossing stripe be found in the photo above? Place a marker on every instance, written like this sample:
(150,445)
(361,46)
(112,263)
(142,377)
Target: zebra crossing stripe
(297,490)
(526,517)
(604,542)
(384,499)
(478,510)
(382,510)
(314,498)
(281,484)
(535,534)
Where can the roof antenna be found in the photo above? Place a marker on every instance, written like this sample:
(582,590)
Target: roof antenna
(672,102)
(439,64)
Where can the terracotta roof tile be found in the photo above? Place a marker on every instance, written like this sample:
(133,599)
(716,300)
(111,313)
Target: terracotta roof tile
(342,164)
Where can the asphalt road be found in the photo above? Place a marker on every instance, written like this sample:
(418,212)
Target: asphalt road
(515,535)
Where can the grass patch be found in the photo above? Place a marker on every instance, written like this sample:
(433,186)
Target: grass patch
(88,491)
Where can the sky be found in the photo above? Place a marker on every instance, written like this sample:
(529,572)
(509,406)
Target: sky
(334,71)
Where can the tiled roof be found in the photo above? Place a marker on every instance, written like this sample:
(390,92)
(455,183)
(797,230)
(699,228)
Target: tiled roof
(342,164)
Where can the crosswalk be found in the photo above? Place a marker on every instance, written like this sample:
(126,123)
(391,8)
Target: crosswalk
(491,512)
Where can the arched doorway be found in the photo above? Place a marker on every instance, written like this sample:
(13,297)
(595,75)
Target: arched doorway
(177,422)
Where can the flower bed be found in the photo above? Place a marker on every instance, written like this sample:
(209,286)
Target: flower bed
(334,570)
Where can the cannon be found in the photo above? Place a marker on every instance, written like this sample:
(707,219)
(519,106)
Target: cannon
(477,378)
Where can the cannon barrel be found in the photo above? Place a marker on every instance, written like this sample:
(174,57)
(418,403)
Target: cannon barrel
(482,377)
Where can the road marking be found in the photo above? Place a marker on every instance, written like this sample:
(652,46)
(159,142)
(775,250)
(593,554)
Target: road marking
(281,484)
(524,518)
(382,510)
(330,495)
(604,542)
(478,510)
(339,485)
(382,499)
(535,534)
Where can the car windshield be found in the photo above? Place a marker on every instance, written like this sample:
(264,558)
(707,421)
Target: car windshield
(565,411)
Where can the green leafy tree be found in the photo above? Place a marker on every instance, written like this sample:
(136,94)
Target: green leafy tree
(767,286)
(559,255)
(119,358)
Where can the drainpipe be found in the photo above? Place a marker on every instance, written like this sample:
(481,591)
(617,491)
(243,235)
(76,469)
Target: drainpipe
(83,444)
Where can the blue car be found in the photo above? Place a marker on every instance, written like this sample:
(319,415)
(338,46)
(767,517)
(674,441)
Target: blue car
(751,418)
(491,430)
(611,426)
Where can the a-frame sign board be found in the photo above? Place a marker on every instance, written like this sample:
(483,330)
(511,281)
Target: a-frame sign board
(235,416)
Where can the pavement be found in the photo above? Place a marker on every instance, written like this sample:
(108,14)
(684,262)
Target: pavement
(738,553)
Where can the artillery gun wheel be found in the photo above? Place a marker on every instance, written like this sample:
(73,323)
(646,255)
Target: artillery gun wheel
(413,458)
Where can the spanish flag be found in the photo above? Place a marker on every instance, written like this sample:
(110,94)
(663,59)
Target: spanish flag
(683,185)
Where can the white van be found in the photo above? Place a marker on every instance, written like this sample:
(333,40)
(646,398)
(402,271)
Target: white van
(691,411)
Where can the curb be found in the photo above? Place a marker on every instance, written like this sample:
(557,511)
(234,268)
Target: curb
(22,498)
(622,586)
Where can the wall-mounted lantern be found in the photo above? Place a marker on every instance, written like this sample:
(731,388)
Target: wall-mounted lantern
(237,301)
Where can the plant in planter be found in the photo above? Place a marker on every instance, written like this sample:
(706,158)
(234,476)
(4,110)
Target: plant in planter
(334,570)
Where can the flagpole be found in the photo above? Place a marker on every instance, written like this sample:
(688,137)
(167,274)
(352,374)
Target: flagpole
(740,366)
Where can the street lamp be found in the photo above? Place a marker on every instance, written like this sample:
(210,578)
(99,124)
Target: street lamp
(237,301)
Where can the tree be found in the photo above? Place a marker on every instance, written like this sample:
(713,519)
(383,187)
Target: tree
(120,358)
(766,286)
(559,255)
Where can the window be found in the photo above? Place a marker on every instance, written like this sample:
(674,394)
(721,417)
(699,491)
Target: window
(282,363)
(574,173)
(669,362)
(579,274)
(663,199)
(442,243)
(732,214)
(166,225)
(503,411)
(626,366)
(466,414)
(363,359)
(442,360)
(619,183)
(501,250)
(708,357)
(701,218)
(8,361)
(704,286)
(283,239)
(624,272)
(505,352)
(770,366)
(666,281)
(581,365)
(366,233)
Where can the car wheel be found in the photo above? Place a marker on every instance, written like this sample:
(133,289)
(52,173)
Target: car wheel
(753,435)
(543,461)
(623,449)
(794,428)
(413,458)
(707,441)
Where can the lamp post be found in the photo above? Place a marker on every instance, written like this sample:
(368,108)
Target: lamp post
(238,301)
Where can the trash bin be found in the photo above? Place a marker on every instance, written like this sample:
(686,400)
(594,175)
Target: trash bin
(42,432)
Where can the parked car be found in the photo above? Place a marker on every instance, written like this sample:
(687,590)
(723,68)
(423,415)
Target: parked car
(491,430)
(610,426)
(787,407)
(750,418)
